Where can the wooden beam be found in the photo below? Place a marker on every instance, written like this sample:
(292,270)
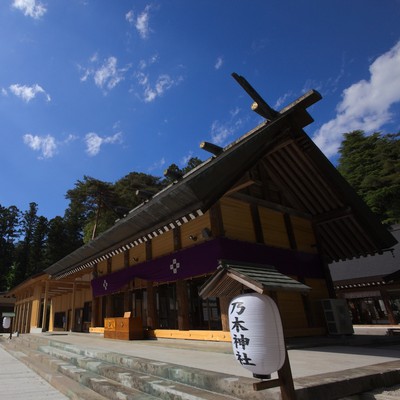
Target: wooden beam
(263,108)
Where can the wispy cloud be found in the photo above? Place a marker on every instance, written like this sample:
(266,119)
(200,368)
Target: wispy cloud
(94,142)
(157,165)
(140,21)
(185,159)
(106,75)
(30,8)
(27,93)
(45,145)
(151,91)
(222,131)
(283,100)
(218,64)
(366,104)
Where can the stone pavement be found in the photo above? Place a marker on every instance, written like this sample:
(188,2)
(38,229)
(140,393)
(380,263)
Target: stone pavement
(321,366)
(18,382)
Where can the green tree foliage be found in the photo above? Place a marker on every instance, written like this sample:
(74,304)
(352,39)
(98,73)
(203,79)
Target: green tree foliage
(29,243)
(192,163)
(371,164)
(9,231)
(29,251)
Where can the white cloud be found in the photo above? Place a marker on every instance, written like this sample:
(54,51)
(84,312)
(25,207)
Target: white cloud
(218,64)
(129,16)
(366,104)
(163,83)
(185,159)
(107,75)
(94,142)
(4,92)
(283,100)
(222,131)
(46,145)
(27,93)
(140,22)
(157,165)
(30,8)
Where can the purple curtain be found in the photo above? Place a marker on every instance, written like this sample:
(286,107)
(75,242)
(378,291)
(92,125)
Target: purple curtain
(203,259)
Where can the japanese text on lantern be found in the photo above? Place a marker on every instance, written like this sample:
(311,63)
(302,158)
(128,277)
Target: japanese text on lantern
(238,328)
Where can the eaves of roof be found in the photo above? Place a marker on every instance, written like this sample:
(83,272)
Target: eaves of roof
(295,163)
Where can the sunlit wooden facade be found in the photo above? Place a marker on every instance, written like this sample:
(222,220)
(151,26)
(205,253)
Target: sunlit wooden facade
(269,198)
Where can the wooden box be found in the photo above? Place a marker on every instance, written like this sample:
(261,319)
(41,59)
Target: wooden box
(123,328)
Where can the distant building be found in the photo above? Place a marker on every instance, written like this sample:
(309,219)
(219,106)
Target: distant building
(371,285)
(271,198)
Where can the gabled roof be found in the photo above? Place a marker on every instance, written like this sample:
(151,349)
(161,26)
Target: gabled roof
(345,226)
(380,267)
(232,276)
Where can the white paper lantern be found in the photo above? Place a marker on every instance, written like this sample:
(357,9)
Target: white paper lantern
(257,335)
(6,322)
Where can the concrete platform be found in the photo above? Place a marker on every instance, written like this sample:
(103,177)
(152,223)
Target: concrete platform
(323,367)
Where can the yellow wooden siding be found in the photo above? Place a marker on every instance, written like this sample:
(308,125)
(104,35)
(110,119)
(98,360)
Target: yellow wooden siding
(273,227)
(237,220)
(292,310)
(194,228)
(117,262)
(163,244)
(102,267)
(304,234)
(318,292)
(137,254)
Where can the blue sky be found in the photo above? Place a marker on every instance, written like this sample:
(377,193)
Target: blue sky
(102,88)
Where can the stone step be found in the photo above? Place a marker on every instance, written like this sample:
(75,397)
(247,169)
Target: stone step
(49,370)
(84,366)
(80,383)
(156,386)
(217,383)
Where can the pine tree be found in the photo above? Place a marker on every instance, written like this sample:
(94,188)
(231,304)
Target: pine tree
(371,164)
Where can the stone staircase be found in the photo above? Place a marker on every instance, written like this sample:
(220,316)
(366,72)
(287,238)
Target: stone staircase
(90,374)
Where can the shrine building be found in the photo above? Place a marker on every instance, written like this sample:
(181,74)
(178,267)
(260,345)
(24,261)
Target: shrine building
(269,199)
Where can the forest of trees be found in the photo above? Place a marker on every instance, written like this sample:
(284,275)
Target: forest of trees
(30,243)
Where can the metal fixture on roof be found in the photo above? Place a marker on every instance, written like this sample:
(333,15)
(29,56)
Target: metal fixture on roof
(144,194)
(172,174)
(211,148)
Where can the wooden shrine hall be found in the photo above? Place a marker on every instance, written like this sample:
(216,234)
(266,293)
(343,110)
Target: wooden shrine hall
(269,198)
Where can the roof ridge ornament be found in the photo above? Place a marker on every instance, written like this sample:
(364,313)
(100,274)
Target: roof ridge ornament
(260,106)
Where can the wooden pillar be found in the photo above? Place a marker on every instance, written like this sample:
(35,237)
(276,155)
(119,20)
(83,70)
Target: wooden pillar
(95,312)
(217,225)
(127,292)
(28,317)
(17,317)
(72,322)
(152,320)
(23,317)
(36,302)
(109,298)
(183,305)
(385,298)
(44,316)
(51,318)
(224,305)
